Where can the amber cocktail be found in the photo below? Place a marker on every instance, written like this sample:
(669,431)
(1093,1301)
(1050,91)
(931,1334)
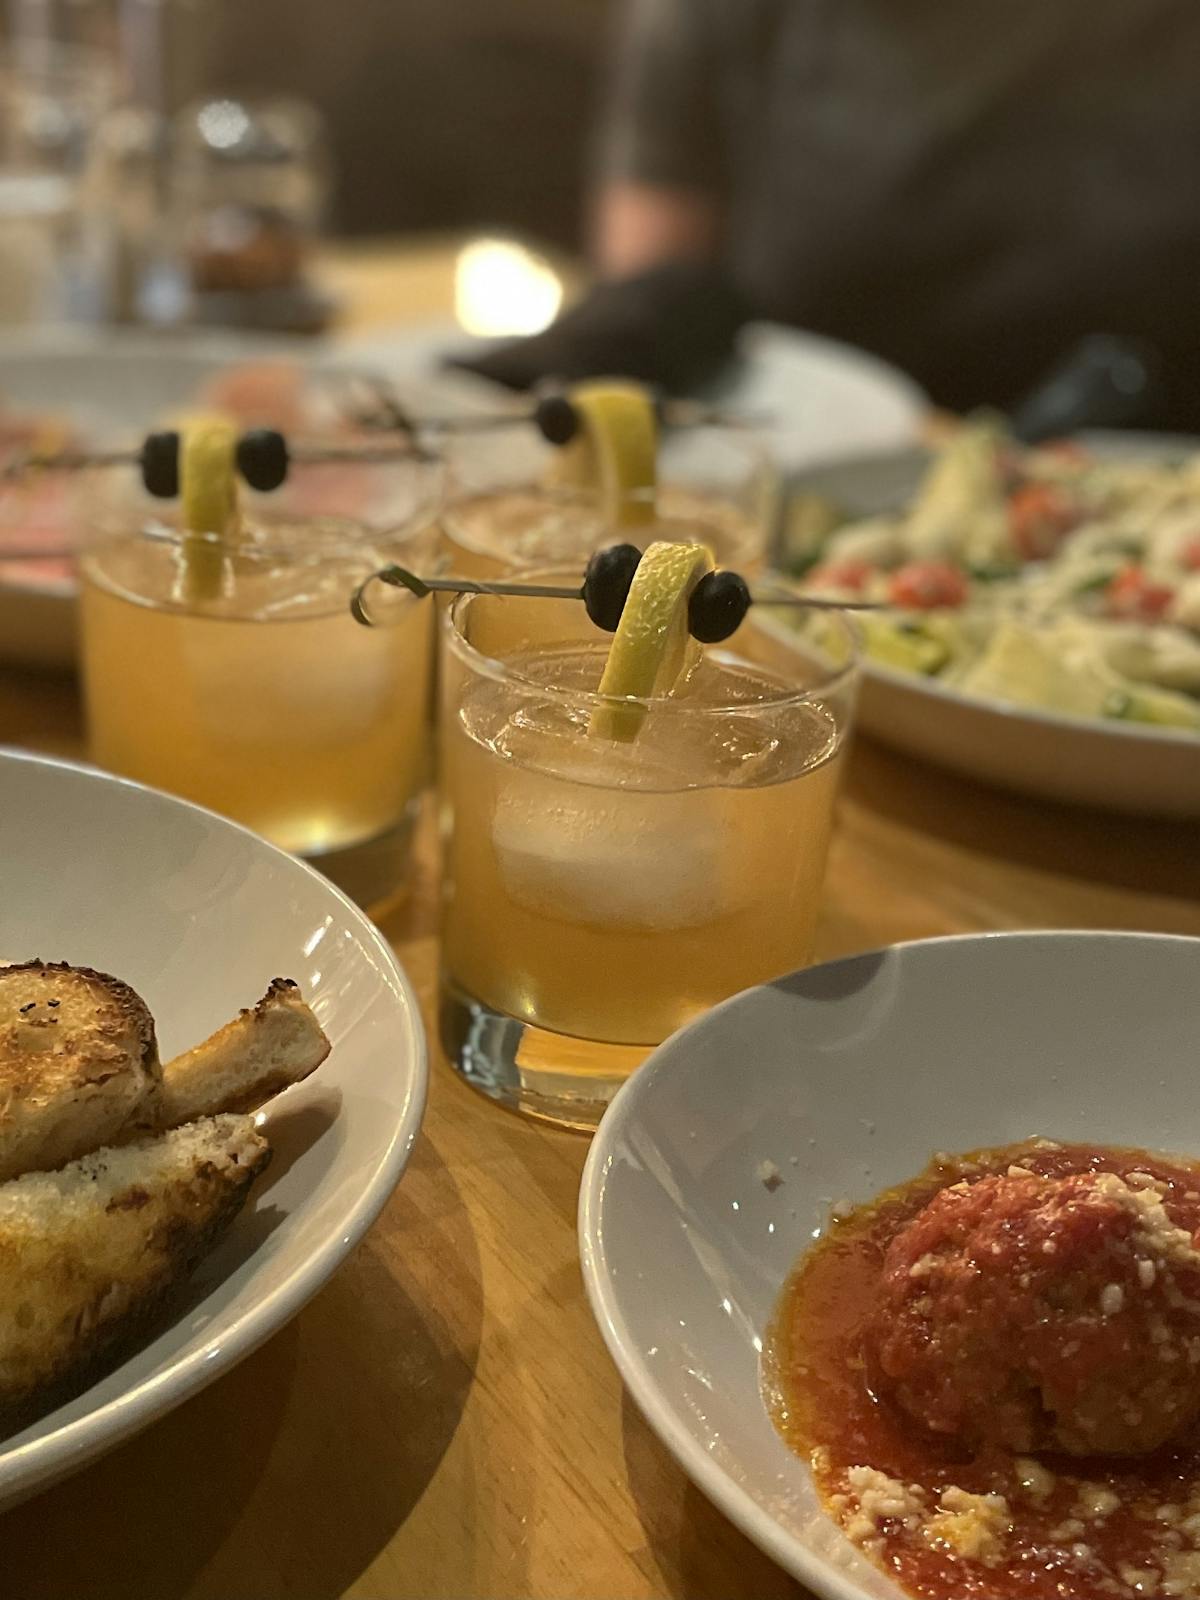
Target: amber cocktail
(600,892)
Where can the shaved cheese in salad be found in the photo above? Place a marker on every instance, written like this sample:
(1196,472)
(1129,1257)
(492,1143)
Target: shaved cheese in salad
(1048,577)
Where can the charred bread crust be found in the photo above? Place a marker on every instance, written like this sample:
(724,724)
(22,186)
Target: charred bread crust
(131,1010)
(184,1245)
(265,1049)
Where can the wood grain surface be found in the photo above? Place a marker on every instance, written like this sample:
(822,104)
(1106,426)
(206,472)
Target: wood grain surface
(443,1420)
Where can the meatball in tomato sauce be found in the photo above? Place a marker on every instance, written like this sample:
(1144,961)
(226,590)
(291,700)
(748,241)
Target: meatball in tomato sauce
(1042,1313)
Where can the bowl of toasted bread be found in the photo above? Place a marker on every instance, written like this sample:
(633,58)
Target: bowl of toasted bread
(212,1071)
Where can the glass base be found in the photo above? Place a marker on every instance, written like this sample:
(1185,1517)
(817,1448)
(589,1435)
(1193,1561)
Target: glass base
(554,1077)
(374,870)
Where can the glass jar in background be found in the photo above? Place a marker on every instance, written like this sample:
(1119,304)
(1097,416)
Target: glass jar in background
(599,893)
(53,242)
(265,701)
(248,185)
(504,510)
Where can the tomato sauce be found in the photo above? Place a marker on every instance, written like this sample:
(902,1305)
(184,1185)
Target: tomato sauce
(1069,1528)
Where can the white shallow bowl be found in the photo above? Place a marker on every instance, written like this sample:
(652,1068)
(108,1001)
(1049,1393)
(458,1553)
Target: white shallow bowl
(1116,766)
(818,399)
(113,385)
(198,915)
(848,1077)
(822,399)
(1139,770)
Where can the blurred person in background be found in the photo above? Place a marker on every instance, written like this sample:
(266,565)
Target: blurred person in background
(964,187)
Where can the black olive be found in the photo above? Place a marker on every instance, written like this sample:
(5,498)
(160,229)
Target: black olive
(262,458)
(718,606)
(160,465)
(556,418)
(606,585)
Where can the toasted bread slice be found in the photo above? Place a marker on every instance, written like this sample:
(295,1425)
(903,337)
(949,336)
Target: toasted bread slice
(78,1064)
(247,1061)
(90,1255)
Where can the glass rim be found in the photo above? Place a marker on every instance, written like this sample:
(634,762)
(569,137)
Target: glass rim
(747,432)
(297,534)
(267,522)
(459,486)
(499,671)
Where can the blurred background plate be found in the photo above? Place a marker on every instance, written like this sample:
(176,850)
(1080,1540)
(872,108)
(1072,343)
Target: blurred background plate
(1117,766)
(119,382)
(818,400)
(823,400)
(112,381)
(112,386)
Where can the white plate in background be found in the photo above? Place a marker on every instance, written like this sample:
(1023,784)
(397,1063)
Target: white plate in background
(820,400)
(1116,766)
(113,386)
(848,1077)
(823,400)
(199,915)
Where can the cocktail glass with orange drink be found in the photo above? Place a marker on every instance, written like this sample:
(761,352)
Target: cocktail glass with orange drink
(610,470)
(220,662)
(636,824)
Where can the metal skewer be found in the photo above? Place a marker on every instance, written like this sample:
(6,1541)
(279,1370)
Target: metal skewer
(402,578)
(388,415)
(324,455)
(676,414)
(389,412)
(67,460)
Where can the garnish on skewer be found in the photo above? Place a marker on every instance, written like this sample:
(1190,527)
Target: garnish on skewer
(661,606)
(160,464)
(553,414)
(563,418)
(653,649)
(208,503)
(607,434)
(263,459)
(263,456)
(716,608)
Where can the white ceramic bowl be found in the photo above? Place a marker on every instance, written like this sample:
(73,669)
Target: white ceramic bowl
(113,384)
(198,915)
(1124,767)
(816,398)
(847,1077)
(1142,770)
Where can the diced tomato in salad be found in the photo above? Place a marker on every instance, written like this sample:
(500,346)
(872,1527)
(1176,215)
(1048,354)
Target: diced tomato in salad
(927,586)
(1132,596)
(1039,514)
(1189,556)
(850,574)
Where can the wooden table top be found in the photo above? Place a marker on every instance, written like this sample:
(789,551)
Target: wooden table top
(443,1419)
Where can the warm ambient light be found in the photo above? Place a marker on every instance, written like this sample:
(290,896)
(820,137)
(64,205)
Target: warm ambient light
(502,288)
(223,123)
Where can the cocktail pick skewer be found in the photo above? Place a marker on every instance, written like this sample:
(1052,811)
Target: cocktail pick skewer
(323,455)
(402,578)
(674,414)
(387,412)
(553,414)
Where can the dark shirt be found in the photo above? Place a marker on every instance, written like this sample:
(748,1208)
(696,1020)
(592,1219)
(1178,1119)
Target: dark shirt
(964,186)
